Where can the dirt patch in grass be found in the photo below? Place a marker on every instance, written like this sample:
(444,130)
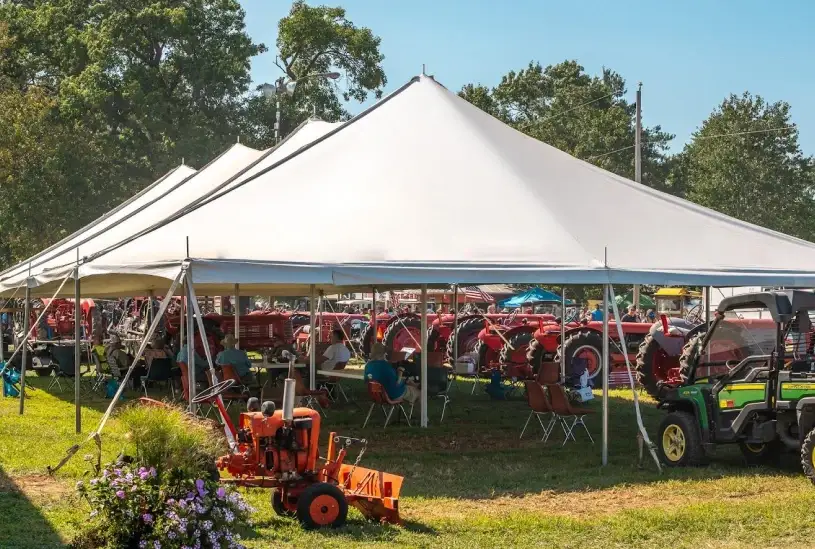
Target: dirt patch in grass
(39,487)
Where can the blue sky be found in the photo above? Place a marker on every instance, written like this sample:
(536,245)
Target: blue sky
(688,54)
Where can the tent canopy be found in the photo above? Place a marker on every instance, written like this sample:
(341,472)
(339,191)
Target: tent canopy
(625,300)
(425,144)
(535,295)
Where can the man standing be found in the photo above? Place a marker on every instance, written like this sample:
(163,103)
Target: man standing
(597,314)
(631,315)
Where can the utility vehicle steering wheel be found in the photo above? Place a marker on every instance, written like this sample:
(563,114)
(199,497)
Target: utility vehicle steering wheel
(212,392)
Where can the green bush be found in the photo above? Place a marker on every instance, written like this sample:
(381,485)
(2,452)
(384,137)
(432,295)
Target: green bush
(169,439)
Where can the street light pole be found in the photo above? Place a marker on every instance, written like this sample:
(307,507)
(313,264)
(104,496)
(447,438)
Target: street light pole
(285,85)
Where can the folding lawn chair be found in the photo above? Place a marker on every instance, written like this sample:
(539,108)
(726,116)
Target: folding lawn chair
(160,371)
(66,366)
(439,381)
(381,398)
(539,403)
(564,411)
(239,391)
(332,385)
(185,391)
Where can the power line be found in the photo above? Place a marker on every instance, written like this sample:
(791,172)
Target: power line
(556,115)
(699,137)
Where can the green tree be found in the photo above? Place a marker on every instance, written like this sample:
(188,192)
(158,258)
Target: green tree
(139,83)
(745,161)
(586,116)
(316,40)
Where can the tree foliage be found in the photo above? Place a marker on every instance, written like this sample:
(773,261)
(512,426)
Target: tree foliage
(586,116)
(315,40)
(745,161)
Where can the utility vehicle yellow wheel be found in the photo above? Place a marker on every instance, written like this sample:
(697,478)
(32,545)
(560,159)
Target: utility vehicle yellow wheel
(760,454)
(680,441)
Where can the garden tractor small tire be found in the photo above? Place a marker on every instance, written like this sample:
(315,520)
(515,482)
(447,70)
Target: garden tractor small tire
(808,456)
(322,505)
(761,454)
(679,441)
(467,330)
(518,341)
(278,507)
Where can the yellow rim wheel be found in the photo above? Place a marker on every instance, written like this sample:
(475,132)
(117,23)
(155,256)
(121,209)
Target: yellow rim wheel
(812,457)
(673,443)
(755,448)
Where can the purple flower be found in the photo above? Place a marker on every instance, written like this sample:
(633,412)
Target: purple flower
(153,472)
(147,518)
(157,544)
(143,475)
(142,544)
(120,494)
(117,472)
(221,492)
(94,481)
(199,484)
(207,525)
(79,485)
(171,534)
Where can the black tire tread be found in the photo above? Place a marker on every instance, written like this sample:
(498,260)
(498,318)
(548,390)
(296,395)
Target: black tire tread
(694,452)
(308,495)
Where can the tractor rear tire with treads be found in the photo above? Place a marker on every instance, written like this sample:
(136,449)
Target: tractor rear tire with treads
(808,456)
(534,354)
(467,330)
(689,357)
(644,365)
(322,505)
(366,340)
(396,326)
(518,341)
(576,341)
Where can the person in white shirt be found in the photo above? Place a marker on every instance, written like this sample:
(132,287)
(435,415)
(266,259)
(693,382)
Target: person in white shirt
(336,353)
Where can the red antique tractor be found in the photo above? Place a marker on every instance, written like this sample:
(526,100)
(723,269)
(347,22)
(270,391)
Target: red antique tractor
(279,449)
(326,322)
(471,332)
(504,344)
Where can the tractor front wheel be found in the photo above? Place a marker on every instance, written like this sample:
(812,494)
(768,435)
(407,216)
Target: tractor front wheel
(280,507)
(761,454)
(808,456)
(322,505)
(680,443)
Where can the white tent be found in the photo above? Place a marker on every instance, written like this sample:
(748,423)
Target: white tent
(180,189)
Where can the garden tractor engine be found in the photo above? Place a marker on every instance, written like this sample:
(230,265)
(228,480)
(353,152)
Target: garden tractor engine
(279,449)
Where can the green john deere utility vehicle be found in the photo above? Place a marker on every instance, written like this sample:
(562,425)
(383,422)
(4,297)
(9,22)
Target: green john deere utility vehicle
(747,381)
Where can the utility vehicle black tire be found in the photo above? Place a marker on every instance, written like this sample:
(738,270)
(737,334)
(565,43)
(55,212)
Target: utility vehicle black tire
(393,329)
(764,454)
(808,456)
(333,517)
(580,339)
(279,508)
(466,329)
(518,340)
(645,359)
(693,452)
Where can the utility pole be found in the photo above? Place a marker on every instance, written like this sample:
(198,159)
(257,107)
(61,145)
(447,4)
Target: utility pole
(638,170)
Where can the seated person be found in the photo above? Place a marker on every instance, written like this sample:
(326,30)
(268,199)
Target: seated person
(201,366)
(99,355)
(380,370)
(120,361)
(158,349)
(337,352)
(238,359)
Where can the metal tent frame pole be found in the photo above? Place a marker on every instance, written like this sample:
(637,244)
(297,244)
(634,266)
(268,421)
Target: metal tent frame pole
(190,342)
(77,347)
(455,324)
(236,309)
(24,343)
(605,375)
(424,357)
(373,319)
(312,339)
(562,333)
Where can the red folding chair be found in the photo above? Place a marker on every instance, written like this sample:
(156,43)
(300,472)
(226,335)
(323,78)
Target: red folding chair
(540,406)
(564,410)
(380,397)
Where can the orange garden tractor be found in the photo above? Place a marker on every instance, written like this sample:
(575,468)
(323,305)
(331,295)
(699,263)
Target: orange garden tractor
(279,449)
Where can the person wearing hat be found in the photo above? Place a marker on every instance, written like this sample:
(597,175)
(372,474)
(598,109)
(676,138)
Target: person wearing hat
(238,359)
(380,370)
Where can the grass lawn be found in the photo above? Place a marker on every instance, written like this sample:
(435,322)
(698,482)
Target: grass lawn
(469,482)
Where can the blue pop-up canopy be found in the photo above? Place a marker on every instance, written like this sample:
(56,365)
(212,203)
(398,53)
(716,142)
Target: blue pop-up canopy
(535,295)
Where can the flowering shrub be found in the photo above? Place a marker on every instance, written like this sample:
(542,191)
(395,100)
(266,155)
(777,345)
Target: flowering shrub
(139,508)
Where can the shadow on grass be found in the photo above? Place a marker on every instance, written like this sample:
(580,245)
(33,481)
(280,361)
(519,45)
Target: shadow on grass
(23,525)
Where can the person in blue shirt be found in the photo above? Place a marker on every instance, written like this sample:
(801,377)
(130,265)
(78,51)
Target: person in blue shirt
(238,359)
(200,364)
(380,370)
(597,314)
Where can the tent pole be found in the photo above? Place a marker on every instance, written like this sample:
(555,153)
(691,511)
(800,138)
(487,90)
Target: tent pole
(24,343)
(455,324)
(635,297)
(424,356)
(181,321)
(562,333)
(77,348)
(373,318)
(236,309)
(190,342)
(707,305)
(312,338)
(605,374)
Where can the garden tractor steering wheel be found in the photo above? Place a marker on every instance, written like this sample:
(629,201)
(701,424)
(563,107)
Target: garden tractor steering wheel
(212,392)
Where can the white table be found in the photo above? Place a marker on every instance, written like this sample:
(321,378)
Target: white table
(341,373)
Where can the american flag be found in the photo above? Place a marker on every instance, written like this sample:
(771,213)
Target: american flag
(477,294)
(393,297)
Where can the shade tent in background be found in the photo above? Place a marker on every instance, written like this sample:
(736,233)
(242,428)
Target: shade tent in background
(530,297)
(625,300)
(172,195)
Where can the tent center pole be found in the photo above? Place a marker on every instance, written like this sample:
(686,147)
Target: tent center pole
(236,309)
(24,342)
(312,339)
(190,343)
(605,373)
(77,349)
(562,333)
(424,351)
(455,324)
(374,339)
